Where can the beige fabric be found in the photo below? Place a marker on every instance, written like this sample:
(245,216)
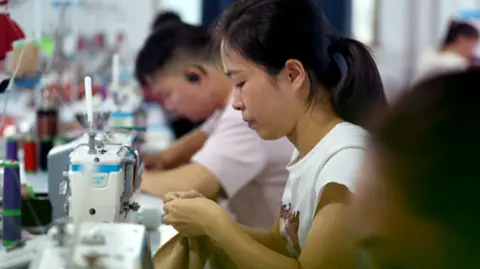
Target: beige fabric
(190,253)
(27,64)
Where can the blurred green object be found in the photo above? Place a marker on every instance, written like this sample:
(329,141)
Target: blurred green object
(47,45)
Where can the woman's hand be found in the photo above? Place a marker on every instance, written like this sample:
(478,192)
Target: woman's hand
(182,195)
(193,217)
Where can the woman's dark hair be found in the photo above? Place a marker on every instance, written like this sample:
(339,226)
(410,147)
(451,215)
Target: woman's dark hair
(165,18)
(457,29)
(428,149)
(270,32)
(169,42)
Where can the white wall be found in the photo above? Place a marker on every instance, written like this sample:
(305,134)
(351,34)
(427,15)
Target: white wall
(363,20)
(189,10)
(131,16)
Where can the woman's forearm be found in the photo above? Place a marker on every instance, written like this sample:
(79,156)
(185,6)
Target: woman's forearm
(267,238)
(245,251)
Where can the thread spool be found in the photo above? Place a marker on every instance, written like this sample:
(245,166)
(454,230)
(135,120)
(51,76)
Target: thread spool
(12,148)
(30,154)
(45,146)
(12,203)
(47,124)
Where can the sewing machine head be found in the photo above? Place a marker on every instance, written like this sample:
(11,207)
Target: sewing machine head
(104,174)
(127,110)
(59,161)
(95,245)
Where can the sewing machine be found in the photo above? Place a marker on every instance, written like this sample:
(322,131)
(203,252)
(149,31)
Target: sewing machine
(123,113)
(127,110)
(58,162)
(104,175)
(61,157)
(88,245)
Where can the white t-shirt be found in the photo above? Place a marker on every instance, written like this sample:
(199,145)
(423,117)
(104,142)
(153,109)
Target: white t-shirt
(250,170)
(436,62)
(335,159)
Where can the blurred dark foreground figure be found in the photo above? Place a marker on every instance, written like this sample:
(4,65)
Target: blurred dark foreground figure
(417,203)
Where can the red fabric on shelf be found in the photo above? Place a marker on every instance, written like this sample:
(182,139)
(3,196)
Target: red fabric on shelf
(10,33)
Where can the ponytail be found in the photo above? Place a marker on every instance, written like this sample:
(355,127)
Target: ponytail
(359,89)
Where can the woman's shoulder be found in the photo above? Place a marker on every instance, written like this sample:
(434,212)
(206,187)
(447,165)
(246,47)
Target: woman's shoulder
(343,136)
(347,135)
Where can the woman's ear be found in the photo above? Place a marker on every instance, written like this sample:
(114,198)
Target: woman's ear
(296,73)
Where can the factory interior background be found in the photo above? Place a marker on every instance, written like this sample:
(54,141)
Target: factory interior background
(88,86)
(397,31)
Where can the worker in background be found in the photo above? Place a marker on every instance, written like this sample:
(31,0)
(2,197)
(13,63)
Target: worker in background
(306,82)
(456,52)
(179,125)
(417,197)
(223,159)
(191,138)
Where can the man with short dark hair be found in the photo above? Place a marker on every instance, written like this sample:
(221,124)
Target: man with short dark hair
(180,125)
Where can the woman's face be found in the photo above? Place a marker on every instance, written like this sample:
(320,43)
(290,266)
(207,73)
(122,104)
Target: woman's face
(391,235)
(269,105)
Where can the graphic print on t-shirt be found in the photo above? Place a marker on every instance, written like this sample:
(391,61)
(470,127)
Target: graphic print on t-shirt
(289,224)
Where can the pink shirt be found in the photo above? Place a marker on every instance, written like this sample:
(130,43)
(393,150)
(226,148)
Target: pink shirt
(252,171)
